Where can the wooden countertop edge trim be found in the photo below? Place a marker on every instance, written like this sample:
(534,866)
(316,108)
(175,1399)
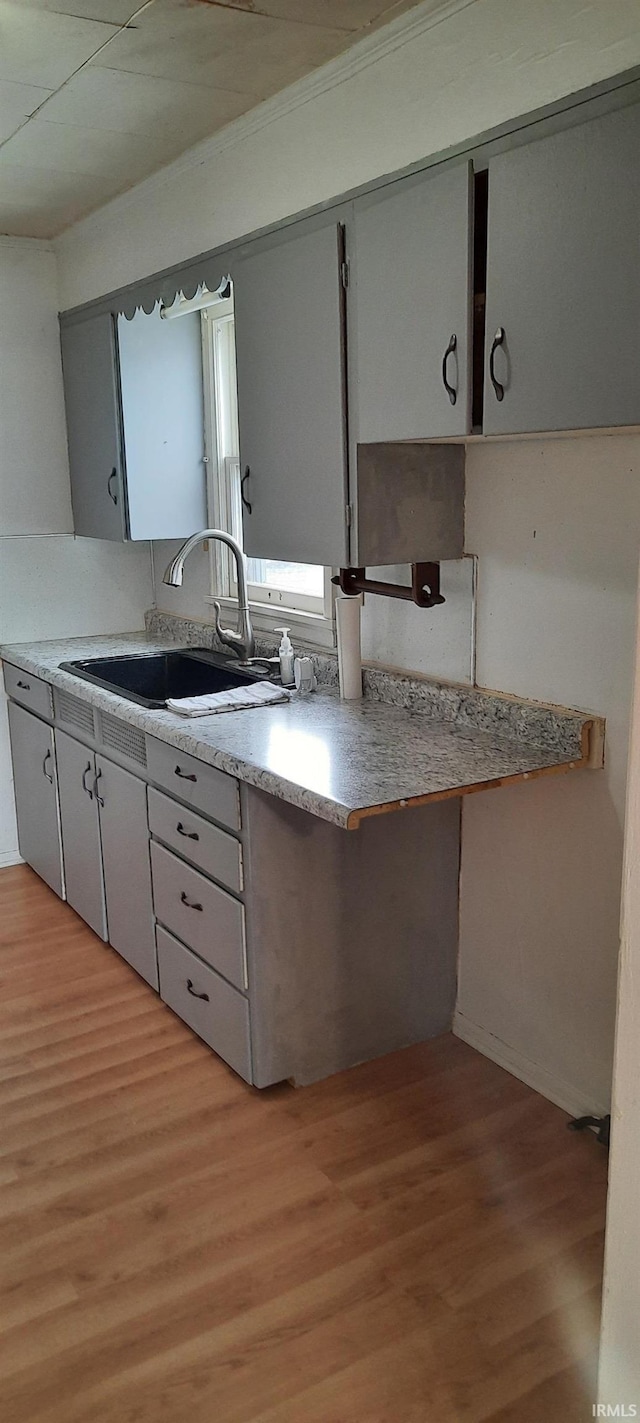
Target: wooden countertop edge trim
(356,816)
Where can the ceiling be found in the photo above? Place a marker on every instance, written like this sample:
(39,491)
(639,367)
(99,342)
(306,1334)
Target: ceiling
(97,94)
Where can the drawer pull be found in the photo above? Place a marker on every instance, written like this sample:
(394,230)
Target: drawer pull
(85,787)
(26,686)
(188,834)
(194,992)
(185,775)
(190,903)
(44,768)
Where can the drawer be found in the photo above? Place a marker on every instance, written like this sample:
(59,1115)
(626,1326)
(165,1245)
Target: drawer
(194,782)
(28,690)
(203,844)
(215,1010)
(205,917)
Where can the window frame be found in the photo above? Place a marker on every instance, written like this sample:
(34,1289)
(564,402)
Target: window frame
(312,617)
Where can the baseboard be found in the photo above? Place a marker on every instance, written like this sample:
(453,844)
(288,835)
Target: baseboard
(10,857)
(564,1094)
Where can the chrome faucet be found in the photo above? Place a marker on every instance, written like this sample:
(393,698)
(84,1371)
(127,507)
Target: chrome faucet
(241,642)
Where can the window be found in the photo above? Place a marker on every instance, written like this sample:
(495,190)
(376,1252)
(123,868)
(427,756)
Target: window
(295,591)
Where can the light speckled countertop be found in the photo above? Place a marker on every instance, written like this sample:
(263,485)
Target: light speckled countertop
(344,760)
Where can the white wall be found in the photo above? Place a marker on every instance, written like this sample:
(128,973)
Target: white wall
(32,432)
(51,584)
(542,931)
(556,527)
(619,1381)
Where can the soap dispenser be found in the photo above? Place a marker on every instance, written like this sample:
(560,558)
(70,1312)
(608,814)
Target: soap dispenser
(285,653)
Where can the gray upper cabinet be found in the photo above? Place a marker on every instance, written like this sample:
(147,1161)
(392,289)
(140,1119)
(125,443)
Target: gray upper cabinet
(410,309)
(91,389)
(563,280)
(34,778)
(135,424)
(291,400)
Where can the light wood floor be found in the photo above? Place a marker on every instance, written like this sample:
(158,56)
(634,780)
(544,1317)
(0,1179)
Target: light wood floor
(418,1239)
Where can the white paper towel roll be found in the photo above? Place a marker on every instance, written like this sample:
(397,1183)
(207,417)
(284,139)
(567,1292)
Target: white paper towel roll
(349,654)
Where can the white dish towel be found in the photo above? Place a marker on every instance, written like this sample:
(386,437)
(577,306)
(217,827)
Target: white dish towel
(254,694)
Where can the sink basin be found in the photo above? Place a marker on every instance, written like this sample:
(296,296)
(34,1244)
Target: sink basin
(150,678)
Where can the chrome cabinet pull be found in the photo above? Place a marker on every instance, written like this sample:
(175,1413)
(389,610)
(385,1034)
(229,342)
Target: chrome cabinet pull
(190,903)
(44,768)
(113,475)
(194,992)
(26,686)
(188,834)
(247,504)
(450,389)
(184,775)
(498,340)
(85,787)
(95,789)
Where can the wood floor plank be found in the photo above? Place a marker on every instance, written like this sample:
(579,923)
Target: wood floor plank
(418,1240)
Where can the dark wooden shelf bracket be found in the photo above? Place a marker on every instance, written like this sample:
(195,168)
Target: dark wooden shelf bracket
(424,590)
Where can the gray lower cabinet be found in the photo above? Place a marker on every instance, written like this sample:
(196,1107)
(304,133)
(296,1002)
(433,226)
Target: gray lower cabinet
(563,280)
(202,914)
(122,806)
(291,397)
(410,309)
(135,425)
(205,845)
(34,778)
(104,828)
(81,831)
(215,1010)
(292,947)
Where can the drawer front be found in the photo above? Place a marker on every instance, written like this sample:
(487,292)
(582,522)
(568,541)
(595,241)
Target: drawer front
(203,844)
(215,1010)
(205,917)
(194,782)
(28,690)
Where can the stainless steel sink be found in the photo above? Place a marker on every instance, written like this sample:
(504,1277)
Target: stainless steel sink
(150,678)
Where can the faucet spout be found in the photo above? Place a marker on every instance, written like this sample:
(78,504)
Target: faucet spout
(242,641)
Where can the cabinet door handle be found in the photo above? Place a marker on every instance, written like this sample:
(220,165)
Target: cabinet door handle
(95,789)
(188,834)
(190,903)
(498,340)
(247,504)
(85,787)
(450,389)
(194,992)
(185,775)
(112,476)
(44,767)
(26,686)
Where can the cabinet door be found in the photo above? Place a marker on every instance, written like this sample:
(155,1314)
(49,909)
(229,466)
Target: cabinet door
(34,779)
(122,799)
(289,351)
(563,280)
(163,423)
(412,300)
(89,364)
(80,831)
